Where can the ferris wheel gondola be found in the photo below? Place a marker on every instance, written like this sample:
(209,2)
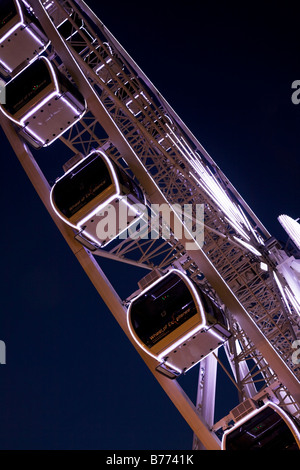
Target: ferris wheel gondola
(22,38)
(175,322)
(266,428)
(87,190)
(43,103)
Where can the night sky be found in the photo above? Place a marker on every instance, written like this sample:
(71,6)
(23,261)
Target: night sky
(72,378)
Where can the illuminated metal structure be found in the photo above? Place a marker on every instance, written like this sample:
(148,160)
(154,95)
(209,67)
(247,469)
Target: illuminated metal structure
(129,120)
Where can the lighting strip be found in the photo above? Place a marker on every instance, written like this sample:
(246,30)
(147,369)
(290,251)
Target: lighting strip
(5,66)
(249,226)
(132,207)
(248,246)
(50,4)
(212,186)
(293,300)
(103,65)
(69,104)
(181,340)
(237,227)
(37,39)
(216,335)
(37,107)
(33,134)
(27,5)
(282,291)
(224,204)
(127,228)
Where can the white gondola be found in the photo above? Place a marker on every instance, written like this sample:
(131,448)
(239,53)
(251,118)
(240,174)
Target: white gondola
(84,193)
(42,102)
(266,428)
(173,321)
(22,38)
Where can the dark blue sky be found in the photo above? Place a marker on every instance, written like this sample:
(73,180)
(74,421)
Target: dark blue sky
(72,379)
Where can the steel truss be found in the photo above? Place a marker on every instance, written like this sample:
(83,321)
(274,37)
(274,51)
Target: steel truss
(131,121)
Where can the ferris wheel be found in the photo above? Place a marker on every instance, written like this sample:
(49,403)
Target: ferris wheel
(141,190)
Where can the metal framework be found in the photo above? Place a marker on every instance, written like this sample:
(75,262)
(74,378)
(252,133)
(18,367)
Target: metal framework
(238,263)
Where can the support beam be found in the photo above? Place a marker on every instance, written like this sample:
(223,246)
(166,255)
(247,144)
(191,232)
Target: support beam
(106,291)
